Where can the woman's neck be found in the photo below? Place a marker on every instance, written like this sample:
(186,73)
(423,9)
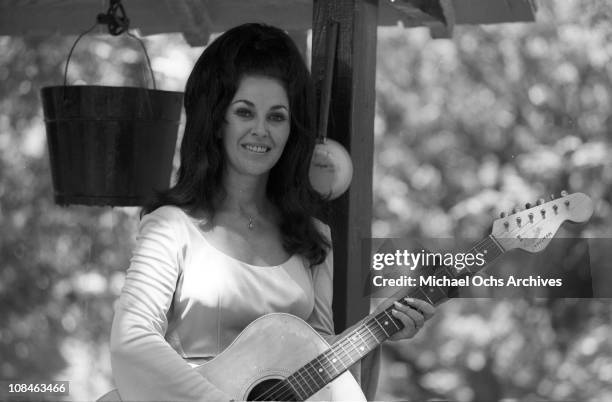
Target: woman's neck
(244,194)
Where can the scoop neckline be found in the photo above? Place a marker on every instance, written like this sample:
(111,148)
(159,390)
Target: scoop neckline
(193,221)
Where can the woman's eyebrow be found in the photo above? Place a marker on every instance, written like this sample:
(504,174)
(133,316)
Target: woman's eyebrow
(243,100)
(248,102)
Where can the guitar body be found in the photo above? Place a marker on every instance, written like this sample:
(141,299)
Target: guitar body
(268,350)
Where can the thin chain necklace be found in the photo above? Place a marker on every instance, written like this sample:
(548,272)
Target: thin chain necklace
(250,218)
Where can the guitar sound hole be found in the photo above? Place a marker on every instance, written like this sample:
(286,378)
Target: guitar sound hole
(264,392)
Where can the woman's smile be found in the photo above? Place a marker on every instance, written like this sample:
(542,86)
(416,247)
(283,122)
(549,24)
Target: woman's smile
(258,149)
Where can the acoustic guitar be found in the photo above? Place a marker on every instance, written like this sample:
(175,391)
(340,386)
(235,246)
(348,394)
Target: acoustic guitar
(280,357)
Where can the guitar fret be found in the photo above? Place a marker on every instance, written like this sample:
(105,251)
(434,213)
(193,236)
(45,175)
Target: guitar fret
(314,380)
(499,249)
(330,362)
(371,333)
(385,317)
(318,369)
(448,272)
(323,369)
(365,341)
(383,328)
(291,380)
(470,271)
(303,381)
(365,325)
(379,331)
(334,360)
(326,366)
(337,357)
(435,293)
(356,349)
(348,354)
(392,319)
(425,295)
(360,349)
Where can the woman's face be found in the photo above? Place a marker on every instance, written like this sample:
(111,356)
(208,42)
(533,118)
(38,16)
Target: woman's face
(256,125)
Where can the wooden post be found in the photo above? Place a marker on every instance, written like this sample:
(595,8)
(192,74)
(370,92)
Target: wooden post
(351,122)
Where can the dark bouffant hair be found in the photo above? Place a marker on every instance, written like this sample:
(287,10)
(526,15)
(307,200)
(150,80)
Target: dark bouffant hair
(246,50)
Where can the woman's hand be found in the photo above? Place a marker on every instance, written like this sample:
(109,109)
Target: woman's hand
(413,316)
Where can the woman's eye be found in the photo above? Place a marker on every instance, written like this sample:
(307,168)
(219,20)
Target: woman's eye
(278,117)
(243,112)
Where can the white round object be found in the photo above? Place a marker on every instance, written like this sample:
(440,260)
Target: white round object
(331,169)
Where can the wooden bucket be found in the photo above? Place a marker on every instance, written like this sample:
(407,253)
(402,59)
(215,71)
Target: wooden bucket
(110,145)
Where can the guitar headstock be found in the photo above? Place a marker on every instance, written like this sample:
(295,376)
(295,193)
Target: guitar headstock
(533,228)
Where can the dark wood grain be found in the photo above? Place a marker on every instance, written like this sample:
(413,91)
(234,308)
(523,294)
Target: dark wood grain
(351,122)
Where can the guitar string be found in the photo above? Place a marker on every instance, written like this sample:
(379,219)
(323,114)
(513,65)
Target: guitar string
(340,353)
(343,356)
(285,384)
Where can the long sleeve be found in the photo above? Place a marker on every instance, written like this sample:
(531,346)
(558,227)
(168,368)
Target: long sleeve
(321,318)
(145,366)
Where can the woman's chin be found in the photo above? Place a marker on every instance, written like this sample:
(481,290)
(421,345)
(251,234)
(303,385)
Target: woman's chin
(254,169)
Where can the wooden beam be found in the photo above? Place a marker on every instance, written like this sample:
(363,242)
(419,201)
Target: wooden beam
(420,12)
(194,18)
(69,17)
(351,122)
(494,11)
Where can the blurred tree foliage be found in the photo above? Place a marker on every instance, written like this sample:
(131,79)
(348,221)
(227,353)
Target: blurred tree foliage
(497,116)
(61,267)
(465,128)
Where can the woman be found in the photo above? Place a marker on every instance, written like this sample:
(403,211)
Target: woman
(235,238)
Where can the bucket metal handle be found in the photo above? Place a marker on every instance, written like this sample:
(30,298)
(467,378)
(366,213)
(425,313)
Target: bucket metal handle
(117,22)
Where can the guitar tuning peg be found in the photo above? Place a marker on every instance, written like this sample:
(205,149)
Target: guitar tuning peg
(502,215)
(552,197)
(513,210)
(527,206)
(541,201)
(563,193)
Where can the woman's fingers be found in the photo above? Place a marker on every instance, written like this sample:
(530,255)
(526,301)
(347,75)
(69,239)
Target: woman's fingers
(410,327)
(425,308)
(415,315)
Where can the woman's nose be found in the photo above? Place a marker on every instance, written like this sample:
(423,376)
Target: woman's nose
(260,128)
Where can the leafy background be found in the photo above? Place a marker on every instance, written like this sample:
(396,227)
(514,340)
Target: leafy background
(467,127)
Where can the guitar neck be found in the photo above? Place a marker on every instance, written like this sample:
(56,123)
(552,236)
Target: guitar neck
(378,327)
